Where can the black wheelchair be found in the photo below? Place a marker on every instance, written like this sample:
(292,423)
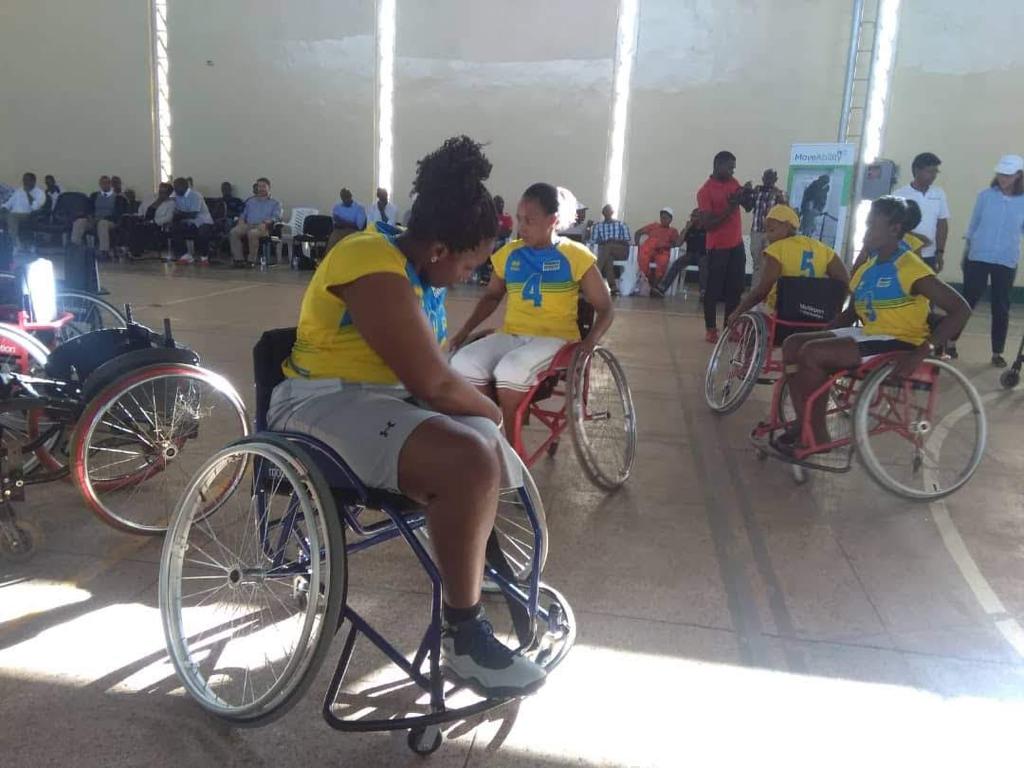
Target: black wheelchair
(254,582)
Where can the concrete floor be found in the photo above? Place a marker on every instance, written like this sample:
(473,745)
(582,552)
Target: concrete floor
(725,614)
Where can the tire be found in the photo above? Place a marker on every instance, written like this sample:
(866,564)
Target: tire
(91,313)
(297,515)
(425,741)
(901,452)
(161,432)
(19,541)
(1009,379)
(747,342)
(597,381)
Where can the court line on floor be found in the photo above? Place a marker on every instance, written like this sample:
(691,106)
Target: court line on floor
(210,295)
(1008,626)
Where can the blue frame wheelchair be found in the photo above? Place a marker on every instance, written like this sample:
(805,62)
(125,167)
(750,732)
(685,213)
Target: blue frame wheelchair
(254,582)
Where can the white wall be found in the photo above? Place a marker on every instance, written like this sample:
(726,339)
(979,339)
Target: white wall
(288,94)
(958,91)
(75,91)
(748,76)
(531,78)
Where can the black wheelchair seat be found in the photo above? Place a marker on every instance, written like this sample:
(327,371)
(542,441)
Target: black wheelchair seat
(806,300)
(270,352)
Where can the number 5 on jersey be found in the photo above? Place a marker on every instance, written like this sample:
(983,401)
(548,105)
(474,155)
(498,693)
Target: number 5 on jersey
(531,289)
(807,264)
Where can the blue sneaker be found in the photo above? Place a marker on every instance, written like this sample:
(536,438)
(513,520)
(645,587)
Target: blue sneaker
(473,655)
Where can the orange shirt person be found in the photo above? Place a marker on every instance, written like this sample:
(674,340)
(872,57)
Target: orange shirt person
(661,239)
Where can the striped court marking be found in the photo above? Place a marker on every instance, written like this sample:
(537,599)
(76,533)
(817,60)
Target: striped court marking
(1008,626)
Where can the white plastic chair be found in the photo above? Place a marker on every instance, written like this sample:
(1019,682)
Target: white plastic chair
(291,228)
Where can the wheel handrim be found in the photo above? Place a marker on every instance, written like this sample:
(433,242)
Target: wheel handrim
(922,440)
(242,611)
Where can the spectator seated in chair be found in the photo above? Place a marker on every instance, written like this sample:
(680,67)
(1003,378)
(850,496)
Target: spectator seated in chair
(233,206)
(258,217)
(147,232)
(661,238)
(383,210)
(192,222)
(20,206)
(612,239)
(106,208)
(349,218)
(693,238)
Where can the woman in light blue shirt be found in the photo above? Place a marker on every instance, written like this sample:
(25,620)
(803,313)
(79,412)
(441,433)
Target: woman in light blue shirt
(992,248)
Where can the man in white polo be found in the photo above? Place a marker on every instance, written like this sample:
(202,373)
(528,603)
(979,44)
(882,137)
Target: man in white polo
(934,207)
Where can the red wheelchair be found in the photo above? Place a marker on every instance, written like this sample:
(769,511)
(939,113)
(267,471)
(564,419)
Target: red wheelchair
(921,437)
(746,355)
(588,396)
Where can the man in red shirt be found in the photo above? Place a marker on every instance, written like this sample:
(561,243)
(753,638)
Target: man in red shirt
(719,202)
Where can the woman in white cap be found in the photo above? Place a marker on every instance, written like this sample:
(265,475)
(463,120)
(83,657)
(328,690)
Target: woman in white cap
(992,247)
(662,237)
(543,276)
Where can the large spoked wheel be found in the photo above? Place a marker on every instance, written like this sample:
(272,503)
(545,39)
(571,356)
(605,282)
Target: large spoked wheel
(251,594)
(736,363)
(923,437)
(143,437)
(602,419)
(90,313)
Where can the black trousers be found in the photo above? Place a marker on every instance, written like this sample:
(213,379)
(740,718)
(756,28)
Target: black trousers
(182,231)
(978,275)
(726,268)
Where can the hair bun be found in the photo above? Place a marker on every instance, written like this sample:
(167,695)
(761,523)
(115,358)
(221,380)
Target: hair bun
(459,166)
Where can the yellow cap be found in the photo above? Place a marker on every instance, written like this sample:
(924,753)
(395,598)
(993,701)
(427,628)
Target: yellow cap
(785,214)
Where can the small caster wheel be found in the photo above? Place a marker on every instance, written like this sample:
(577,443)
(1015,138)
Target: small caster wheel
(799,474)
(425,741)
(553,449)
(18,541)
(1010,379)
(762,454)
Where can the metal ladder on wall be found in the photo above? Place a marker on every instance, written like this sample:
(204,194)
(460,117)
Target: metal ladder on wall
(863,42)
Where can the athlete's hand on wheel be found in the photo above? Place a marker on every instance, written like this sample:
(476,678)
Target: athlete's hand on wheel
(909,362)
(456,342)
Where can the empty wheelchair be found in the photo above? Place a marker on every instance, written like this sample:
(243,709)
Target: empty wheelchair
(254,584)
(746,355)
(589,396)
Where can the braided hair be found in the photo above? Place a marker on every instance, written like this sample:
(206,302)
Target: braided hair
(898,210)
(452,205)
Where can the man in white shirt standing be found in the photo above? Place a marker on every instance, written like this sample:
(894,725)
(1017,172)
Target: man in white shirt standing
(382,210)
(934,207)
(22,204)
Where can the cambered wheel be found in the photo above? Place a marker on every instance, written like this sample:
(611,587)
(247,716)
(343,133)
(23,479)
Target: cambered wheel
(736,363)
(90,313)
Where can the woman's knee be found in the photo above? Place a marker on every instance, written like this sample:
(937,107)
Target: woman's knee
(791,349)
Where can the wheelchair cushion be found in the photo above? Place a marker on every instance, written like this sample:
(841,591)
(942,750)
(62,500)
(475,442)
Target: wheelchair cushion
(270,351)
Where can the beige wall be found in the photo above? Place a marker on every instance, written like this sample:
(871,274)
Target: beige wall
(958,91)
(289,95)
(75,91)
(751,77)
(531,78)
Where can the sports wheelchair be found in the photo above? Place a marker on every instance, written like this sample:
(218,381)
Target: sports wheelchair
(593,400)
(745,353)
(254,582)
(126,412)
(921,437)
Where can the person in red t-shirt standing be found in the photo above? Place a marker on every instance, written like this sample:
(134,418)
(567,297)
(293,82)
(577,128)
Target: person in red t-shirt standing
(719,202)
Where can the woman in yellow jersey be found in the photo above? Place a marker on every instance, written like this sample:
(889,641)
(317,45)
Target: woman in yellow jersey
(542,275)
(912,241)
(789,254)
(368,376)
(892,291)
